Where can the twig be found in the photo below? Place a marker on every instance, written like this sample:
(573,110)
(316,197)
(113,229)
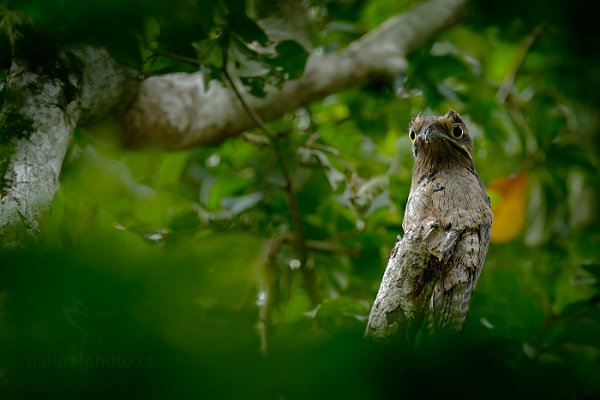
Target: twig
(258,140)
(325,246)
(346,235)
(168,54)
(249,110)
(324,147)
(269,291)
(270,278)
(522,52)
(329,247)
(310,281)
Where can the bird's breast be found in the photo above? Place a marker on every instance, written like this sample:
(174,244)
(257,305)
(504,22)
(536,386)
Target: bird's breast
(448,198)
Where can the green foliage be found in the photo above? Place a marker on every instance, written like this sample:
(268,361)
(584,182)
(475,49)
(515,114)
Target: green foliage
(174,261)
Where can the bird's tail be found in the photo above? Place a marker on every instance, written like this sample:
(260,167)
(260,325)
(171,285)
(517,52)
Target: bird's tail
(450,303)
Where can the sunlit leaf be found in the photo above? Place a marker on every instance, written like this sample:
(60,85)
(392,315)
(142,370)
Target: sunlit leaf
(226,187)
(248,62)
(171,169)
(510,196)
(237,205)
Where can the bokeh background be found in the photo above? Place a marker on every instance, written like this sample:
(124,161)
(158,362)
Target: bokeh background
(163,274)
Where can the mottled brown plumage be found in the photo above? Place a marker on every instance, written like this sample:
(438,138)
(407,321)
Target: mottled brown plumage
(433,269)
(448,199)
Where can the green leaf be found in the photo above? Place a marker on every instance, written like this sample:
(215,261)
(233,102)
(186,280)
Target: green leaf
(341,312)
(593,269)
(248,62)
(255,85)
(246,28)
(291,58)
(208,52)
(237,205)
(226,187)
(184,221)
(171,169)
(580,332)
(310,156)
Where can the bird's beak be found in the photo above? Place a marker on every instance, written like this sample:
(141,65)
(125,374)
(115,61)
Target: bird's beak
(427,134)
(430,133)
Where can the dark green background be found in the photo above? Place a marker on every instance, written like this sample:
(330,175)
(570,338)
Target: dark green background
(152,259)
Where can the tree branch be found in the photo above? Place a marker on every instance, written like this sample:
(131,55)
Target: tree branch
(523,50)
(310,279)
(80,86)
(177,110)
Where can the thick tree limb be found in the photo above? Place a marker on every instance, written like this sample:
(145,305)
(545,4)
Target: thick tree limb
(179,111)
(46,104)
(398,311)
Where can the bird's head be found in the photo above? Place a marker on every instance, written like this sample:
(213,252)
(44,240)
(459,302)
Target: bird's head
(440,139)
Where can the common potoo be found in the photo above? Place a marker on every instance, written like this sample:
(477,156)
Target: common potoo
(433,269)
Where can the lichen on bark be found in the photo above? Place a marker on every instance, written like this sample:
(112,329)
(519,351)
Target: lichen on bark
(39,114)
(399,309)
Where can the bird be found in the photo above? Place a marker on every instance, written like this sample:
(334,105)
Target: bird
(433,269)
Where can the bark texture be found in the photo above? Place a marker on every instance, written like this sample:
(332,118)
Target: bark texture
(179,111)
(399,309)
(45,104)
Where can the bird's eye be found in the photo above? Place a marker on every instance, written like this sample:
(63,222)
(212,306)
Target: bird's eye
(412,134)
(457,131)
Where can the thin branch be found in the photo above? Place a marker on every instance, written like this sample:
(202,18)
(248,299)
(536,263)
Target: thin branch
(249,110)
(324,246)
(287,188)
(325,148)
(346,234)
(522,52)
(270,278)
(257,140)
(310,281)
(175,56)
(329,247)
(269,292)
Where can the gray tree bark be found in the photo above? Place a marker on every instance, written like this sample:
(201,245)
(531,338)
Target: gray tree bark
(399,309)
(37,120)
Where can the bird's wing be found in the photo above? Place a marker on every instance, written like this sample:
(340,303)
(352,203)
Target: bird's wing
(456,280)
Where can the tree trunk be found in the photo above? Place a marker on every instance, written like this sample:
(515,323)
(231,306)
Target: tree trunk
(399,308)
(43,105)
